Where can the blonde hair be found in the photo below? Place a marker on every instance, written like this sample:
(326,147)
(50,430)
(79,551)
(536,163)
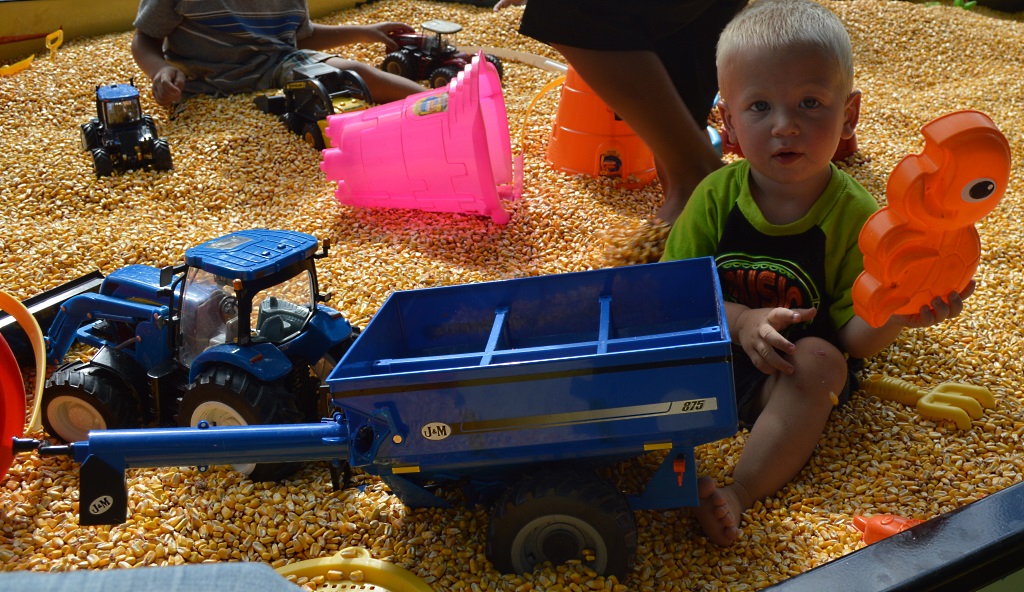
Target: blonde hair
(771,25)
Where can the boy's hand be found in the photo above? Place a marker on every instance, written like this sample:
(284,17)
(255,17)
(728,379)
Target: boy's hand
(758,331)
(168,83)
(940,310)
(384,32)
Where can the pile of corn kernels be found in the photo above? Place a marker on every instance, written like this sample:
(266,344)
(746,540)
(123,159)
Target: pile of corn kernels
(237,168)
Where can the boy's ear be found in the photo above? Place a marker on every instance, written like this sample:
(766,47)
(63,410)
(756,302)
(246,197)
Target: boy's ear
(726,114)
(852,114)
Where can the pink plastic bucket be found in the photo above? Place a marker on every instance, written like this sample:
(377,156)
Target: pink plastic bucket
(442,150)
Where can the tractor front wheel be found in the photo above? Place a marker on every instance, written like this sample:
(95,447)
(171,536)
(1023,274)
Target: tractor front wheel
(162,155)
(81,396)
(560,516)
(101,160)
(229,396)
(442,76)
(313,135)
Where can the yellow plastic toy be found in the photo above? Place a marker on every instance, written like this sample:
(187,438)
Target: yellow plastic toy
(16,66)
(12,386)
(352,568)
(953,401)
(53,41)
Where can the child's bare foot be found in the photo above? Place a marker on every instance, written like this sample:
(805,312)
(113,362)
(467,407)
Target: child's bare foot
(719,511)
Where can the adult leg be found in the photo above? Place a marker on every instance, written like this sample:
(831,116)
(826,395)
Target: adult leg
(796,408)
(637,87)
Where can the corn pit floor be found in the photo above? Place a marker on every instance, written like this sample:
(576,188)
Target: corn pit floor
(237,168)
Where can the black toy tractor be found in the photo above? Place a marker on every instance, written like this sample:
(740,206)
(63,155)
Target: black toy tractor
(121,137)
(317,91)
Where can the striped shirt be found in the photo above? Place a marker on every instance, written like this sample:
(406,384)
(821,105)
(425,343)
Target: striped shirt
(229,46)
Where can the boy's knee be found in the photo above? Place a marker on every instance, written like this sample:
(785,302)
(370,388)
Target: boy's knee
(819,363)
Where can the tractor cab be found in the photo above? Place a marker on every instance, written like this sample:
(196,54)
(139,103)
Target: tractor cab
(247,288)
(439,36)
(118,104)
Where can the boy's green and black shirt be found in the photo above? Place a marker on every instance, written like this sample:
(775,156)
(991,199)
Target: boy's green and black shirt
(812,262)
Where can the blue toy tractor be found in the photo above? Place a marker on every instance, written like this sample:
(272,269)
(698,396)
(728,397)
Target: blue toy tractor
(235,336)
(121,137)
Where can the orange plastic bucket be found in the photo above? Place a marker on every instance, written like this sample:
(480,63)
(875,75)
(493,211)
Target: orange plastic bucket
(589,139)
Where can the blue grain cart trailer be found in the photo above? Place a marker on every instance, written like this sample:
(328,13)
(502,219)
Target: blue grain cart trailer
(523,392)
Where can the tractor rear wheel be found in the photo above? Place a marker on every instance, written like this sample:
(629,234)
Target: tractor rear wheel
(563,515)
(442,76)
(81,396)
(162,155)
(497,65)
(399,63)
(229,396)
(101,160)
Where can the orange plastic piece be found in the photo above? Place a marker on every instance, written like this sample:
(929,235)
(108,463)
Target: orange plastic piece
(54,40)
(923,244)
(590,139)
(881,526)
(679,468)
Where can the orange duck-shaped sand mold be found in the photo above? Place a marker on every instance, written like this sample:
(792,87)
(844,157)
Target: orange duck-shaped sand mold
(923,244)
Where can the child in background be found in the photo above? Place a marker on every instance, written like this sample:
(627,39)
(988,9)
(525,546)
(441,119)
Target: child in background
(783,225)
(233,46)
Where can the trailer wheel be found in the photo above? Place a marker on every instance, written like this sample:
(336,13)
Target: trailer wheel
(229,396)
(101,160)
(558,515)
(162,155)
(442,76)
(399,63)
(80,396)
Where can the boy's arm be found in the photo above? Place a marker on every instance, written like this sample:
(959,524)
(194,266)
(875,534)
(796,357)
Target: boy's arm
(168,81)
(861,340)
(326,37)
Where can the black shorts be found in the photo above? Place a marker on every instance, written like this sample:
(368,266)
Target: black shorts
(749,382)
(683,33)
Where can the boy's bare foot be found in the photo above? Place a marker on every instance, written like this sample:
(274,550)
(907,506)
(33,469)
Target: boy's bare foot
(719,511)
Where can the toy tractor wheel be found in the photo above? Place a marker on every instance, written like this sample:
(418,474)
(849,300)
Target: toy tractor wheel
(497,65)
(442,76)
(313,135)
(229,396)
(101,160)
(559,516)
(400,64)
(293,122)
(90,136)
(162,155)
(323,368)
(147,121)
(81,396)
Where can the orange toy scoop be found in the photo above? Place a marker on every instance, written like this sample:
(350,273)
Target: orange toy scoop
(923,244)
(881,526)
